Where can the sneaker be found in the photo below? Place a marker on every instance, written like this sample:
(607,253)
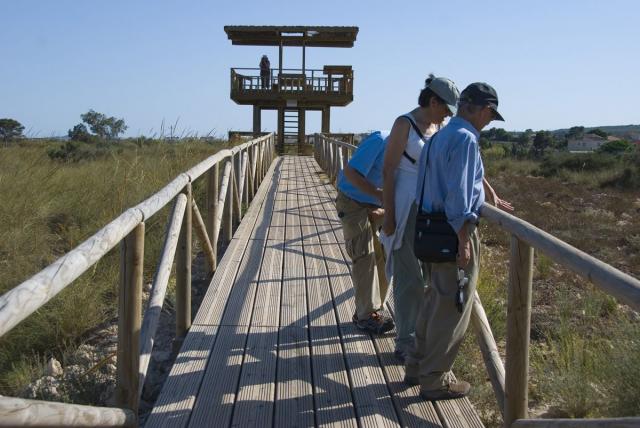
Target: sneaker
(377,323)
(454,390)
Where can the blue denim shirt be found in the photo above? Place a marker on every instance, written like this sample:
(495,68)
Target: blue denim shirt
(367,159)
(453,182)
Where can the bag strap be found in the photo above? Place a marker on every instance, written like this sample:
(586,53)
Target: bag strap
(426,165)
(415,127)
(420,134)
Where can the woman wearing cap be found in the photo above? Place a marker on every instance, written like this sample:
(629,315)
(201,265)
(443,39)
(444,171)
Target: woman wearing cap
(437,100)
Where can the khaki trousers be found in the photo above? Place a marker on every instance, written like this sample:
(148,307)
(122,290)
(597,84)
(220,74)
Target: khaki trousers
(358,239)
(440,328)
(408,286)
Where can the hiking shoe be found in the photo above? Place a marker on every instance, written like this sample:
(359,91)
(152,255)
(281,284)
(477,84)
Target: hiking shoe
(376,323)
(454,390)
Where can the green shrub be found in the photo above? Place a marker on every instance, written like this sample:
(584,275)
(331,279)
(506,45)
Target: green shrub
(552,165)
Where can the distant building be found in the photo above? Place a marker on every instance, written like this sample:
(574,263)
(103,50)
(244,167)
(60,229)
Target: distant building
(588,143)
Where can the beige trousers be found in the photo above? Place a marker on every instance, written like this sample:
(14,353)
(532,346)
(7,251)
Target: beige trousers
(440,328)
(358,239)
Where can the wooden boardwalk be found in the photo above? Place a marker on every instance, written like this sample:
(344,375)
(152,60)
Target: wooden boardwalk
(273,343)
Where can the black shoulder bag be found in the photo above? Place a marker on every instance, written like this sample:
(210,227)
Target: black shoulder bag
(435,240)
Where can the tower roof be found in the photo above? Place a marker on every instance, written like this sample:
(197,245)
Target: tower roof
(292,35)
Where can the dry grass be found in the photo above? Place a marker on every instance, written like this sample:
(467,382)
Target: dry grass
(50,207)
(585,359)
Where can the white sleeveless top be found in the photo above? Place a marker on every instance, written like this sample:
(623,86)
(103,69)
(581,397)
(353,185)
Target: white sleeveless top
(406,177)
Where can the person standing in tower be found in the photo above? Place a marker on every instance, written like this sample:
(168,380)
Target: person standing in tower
(265,71)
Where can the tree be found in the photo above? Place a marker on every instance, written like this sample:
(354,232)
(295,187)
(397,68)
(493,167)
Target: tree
(616,147)
(522,143)
(80,133)
(542,141)
(10,129)
(599,132)
(104,127)
(575,133)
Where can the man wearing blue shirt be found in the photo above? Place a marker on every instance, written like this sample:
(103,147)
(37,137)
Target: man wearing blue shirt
(453,185)
(360,198)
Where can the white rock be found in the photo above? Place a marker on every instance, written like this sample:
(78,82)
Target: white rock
(54,368)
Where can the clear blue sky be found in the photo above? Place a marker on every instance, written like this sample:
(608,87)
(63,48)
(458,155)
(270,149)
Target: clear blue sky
(555,64)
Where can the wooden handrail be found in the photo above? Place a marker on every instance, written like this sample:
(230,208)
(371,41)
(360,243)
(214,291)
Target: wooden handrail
(128,228)
(35,413)
(609,279)
(23,300)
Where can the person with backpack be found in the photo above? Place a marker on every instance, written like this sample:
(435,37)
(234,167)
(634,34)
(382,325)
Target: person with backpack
(359,205)
(437,100)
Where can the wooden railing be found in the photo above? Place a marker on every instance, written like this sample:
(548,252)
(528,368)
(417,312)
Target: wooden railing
(510,386)
(244,167)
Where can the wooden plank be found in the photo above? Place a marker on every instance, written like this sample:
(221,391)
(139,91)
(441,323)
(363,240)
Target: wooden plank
(413,411)
(214,302)
(215,400)
(173,407)
(256,393)
(294,390)
(238,312)
(332,387)
(457,413)
(179,392)
(370,392)
(266,310)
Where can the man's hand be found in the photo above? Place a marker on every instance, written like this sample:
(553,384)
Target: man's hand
(464,252)
(494,199)
(502,204)
(376,213)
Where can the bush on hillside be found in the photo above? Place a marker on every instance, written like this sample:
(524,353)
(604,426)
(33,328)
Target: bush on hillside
(551,165)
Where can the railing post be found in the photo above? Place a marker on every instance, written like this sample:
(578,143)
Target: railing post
(183,271)
(518,327)
(245,185)
(237,203)
(212,208)
(130,318)
(227,213)
(251,172)
(345,157)
(336,162)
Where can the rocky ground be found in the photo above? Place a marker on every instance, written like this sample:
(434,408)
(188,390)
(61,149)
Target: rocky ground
(88,375)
